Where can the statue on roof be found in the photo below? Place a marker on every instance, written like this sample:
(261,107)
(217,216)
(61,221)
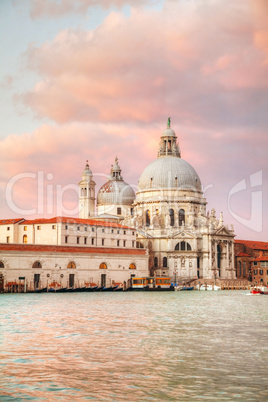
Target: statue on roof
(168,122)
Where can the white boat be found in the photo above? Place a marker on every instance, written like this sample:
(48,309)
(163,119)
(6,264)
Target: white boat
(208,287)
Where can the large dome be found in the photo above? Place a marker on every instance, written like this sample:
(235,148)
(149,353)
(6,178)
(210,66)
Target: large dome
(169,172)
(115,193)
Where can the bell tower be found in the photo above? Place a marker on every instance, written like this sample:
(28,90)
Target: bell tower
(87,194)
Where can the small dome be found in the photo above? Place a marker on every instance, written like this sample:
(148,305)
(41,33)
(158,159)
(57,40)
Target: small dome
(115,192)
(168,132)
(169,172)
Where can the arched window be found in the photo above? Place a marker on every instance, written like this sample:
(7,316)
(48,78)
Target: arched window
(164,262)
(37,264)
(244,269)
(103,265)
(183,246)
(132,266)
(171,215)
(139,245)
(155,262)
(25,239)
(181,216)
(71,265)
(218,256)
(147,217)
(2,265)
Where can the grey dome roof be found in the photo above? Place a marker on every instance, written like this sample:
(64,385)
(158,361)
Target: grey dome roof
(168,132)
(169,172)
(115,192)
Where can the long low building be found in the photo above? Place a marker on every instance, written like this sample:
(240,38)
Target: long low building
(57,256)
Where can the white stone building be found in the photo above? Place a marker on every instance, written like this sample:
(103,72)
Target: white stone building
(169,212)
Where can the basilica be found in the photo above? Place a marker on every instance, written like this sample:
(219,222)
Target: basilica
(168,212)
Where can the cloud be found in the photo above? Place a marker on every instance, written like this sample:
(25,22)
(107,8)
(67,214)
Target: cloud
(51,8)
(175,63)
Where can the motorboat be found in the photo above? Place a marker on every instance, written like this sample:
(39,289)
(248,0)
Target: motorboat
(256,291)
(180,288)
(208,287)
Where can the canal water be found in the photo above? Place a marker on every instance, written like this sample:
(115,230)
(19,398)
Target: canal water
(175,346)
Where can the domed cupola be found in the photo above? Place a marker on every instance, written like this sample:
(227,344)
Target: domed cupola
(116,196)
(169,170)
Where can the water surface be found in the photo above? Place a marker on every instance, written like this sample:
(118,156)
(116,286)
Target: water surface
(134,346)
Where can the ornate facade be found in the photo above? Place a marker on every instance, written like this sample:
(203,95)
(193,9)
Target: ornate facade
(183,239)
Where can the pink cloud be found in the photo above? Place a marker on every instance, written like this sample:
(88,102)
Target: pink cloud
(41,8)
(175,63)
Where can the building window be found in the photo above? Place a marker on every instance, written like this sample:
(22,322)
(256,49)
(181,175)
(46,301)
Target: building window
(25,239)
(78,240)
(133,233)
(132,266)
(261,271)
(38,227)
(85,228)
(119,211)
(8,228)
(183,246)
(102,242)
(147,218)
(93,229)
(37,264)
(181,217)
(66,239)
(133,243)
(8,239)
(85,240)
(25,228)
(103,265)
(165,262)
(2,265)
(92,241)
(264,264)
(118,231)
(103,230)
(112,231)
(78,228)
(66,227)
(131,211)
(171,215)
(71,265)
(255,272)
(118,243)
(124,243)
(155,262)
(255,263)
(53,226)
(139,245)
(125,232)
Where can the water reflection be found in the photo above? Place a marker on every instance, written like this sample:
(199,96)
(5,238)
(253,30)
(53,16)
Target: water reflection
(135,346)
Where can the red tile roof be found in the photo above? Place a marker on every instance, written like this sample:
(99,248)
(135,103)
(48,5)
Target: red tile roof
(10,221)
(63,219)
(255,245)
(70,249)
(242,255)
(265,258)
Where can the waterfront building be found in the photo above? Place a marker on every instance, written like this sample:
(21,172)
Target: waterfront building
(164,229)
(251,261)
(183,239)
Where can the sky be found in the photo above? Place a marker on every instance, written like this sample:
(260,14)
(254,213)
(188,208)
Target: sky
(95,79)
